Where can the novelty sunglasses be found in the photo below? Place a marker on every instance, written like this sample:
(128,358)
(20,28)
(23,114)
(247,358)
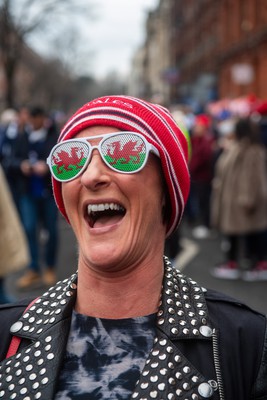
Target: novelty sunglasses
(124,152)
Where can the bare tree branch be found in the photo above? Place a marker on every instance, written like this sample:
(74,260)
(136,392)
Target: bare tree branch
(22,19)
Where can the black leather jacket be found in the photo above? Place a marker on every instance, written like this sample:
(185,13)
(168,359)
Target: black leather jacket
(208,346)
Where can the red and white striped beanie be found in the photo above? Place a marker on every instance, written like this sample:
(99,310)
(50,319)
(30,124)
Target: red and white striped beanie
(152,121)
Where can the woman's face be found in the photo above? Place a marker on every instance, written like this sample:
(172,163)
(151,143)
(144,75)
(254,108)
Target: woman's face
(131,229)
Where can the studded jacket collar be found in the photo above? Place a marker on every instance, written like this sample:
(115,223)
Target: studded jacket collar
(168,374)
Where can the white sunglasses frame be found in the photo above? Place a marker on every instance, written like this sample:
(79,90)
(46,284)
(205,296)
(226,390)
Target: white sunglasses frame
(149,148)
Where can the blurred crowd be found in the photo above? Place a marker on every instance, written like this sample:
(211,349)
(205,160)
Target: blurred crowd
(26,138)
(228,197)
(228,194)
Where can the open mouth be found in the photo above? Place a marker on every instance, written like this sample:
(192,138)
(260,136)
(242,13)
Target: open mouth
(104,214)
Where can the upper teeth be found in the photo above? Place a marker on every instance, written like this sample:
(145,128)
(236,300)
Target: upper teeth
(102,207)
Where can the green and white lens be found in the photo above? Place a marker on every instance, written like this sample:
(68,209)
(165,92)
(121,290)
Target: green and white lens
(68,159)
(124,152)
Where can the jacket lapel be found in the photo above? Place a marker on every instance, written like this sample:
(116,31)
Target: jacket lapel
(182,315)
(32,372)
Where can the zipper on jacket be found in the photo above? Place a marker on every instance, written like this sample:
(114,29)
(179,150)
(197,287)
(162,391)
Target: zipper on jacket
(217,363)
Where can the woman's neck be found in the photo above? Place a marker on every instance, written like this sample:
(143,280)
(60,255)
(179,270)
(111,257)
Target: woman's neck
(133,294)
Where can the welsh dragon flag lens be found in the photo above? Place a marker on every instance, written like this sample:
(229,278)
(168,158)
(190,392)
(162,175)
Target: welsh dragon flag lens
(68,159)
(125,152)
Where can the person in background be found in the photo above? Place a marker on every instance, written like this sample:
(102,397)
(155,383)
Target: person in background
(201,170)
(37,206)
(8,116)
(128,325)
(239,203)
(13,244)
(173,245)
(13,145)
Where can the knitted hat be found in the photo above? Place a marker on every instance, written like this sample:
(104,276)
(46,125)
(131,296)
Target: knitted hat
(203,120)
(156,124)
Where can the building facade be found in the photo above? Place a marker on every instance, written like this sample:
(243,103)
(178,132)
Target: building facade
(199,51)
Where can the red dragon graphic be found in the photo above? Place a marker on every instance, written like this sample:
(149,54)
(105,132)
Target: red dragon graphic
(127,152)
(63,160)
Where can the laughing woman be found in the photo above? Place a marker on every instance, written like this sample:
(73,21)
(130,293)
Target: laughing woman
(128,325)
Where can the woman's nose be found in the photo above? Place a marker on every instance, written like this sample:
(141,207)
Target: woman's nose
(96,174)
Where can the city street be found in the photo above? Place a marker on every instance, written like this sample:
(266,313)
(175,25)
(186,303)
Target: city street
(206,254)
(196,259)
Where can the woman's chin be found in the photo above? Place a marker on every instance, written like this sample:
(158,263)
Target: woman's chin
(101,260)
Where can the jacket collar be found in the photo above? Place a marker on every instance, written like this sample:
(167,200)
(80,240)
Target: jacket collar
(182,310)
(182,314)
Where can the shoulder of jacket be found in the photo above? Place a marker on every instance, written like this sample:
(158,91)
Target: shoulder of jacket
(224,300)
(19,305)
